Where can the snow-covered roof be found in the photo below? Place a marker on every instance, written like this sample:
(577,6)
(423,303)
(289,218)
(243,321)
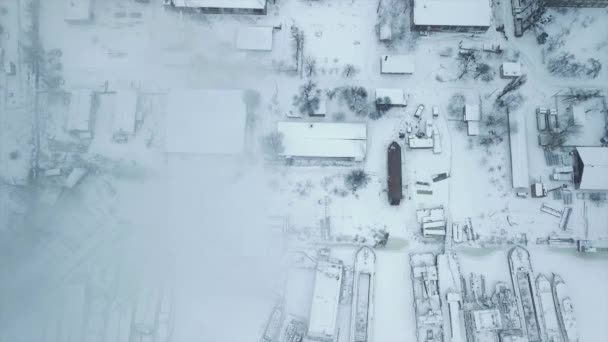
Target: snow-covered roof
(79,112)
(519,150)
(473,127)
(452,13)
(254,38)
(472,112)
(125,110)
(77,10)
(397,64)
(511,69)
(578,114)
(397,96)
(325,300)
(245,4)
(324,139)
(206,121)
(595,170)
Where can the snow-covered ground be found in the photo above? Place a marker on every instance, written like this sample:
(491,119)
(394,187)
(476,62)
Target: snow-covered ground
(212,232)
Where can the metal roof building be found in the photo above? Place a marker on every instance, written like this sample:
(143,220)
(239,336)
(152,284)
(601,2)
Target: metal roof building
(325,301)
(452,15)
(591,168)
(323,140)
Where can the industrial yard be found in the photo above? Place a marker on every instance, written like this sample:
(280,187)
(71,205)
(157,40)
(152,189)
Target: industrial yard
(303,170)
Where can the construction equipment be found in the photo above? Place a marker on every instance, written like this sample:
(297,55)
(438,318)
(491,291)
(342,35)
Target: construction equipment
(539,190)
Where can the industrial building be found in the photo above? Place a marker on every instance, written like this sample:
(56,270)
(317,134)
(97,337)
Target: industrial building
(452,16)
(323,140)
(221,6)
(325,302)
(591,168)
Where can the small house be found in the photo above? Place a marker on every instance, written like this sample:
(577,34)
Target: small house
(397,64)
(472,116)
(125,112)
(78,11)
(395,192)
(257,38)
(510,70)
(79,111)
(396,97)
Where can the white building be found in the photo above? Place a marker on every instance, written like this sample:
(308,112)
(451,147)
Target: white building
(323,140)
(396,96)
(208,121)
(325,302)
(452,15)
(472,116)
(519,151)
(254,38)
(397,64)
(78,11)
(125,111)
(79,111)
(510,69)
(591,168)
(222,6)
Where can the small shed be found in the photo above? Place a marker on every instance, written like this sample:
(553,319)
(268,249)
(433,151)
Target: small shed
(395,192)
(473,128)
(472,112)
(386,33)
(397,64)
(125,112)
(79,111)
(395,96)
(510,70)
(78,11)
(254,38)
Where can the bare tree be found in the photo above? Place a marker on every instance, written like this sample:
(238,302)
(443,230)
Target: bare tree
(355,99)
(512,86)
(349,71)
(356,179)
(308,99)
(272,144)
(456,105)
(310,66)
(557,137)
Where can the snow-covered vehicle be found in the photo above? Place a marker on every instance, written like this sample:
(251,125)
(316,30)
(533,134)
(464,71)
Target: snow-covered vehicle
(419,111)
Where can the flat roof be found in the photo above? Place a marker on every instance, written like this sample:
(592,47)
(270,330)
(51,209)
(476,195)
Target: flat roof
(254,38)
(79,111)
(472,112)
(519,150)
(452,13)
(245,4)
(396,95)
(397,64)
(323,139)
(206,121)
(595,170)
(125,110)
(511,69)
(77,10)
(325,300)
(473,128)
